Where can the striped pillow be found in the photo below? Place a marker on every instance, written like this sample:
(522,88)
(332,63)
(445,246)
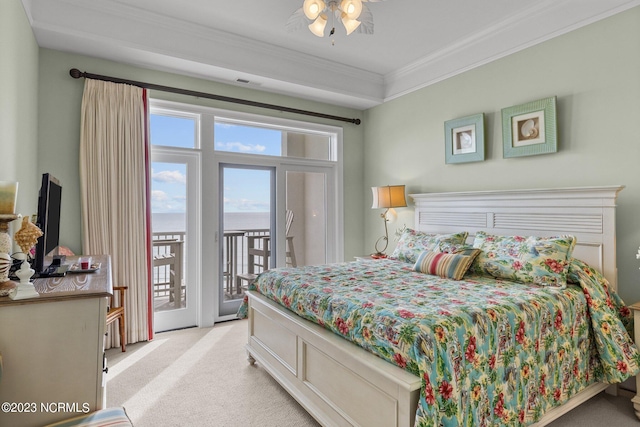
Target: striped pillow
(452,266)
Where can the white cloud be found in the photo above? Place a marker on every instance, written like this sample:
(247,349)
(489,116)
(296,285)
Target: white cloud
(159,196)
(169,177)
(240,147)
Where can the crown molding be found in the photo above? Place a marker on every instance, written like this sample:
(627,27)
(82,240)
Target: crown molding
(220,56)
(119,31)
(492,43)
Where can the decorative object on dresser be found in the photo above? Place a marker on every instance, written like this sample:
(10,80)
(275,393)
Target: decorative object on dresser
(530,129)
(8,197)
(5,246)
(388,198)
(464,139)
(26,238)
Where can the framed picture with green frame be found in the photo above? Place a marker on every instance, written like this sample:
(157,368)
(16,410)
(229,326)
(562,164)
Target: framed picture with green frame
(530,129)
(464,139)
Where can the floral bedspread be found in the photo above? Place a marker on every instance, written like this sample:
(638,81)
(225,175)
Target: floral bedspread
(489,352)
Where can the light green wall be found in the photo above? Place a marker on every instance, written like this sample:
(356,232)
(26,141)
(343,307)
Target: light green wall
(59,127)
(18,104)
(595,74)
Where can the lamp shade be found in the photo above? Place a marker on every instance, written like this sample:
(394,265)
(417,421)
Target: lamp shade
(390,196)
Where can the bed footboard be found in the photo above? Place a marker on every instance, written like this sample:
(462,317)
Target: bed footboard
(338,383)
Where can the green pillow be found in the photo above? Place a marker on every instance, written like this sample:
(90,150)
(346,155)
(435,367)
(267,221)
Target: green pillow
(412,243)
(525,259)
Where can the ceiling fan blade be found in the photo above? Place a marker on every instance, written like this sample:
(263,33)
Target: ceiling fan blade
(366,21)
(296,21)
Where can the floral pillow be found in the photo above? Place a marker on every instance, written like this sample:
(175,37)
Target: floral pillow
(412,243)
(448,265)
(526,259)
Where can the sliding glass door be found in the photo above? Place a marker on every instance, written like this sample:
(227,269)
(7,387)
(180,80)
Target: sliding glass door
(246,200)
(307,223)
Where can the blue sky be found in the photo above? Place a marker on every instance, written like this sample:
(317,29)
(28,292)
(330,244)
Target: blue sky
(245,190)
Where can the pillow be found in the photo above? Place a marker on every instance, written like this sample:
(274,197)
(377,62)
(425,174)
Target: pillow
(525,259)
(449,265)
(412,243)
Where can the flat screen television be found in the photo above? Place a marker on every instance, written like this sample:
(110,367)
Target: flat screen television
(49,202)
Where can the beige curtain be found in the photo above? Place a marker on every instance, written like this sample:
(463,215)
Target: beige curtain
(114,193)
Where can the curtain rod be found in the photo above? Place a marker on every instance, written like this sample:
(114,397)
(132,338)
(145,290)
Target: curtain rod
(76,74)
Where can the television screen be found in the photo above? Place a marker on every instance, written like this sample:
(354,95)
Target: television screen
(48,219)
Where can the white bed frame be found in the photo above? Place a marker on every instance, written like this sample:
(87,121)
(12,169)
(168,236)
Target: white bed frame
(340,384)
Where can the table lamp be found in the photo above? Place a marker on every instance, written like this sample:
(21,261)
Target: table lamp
(388,198)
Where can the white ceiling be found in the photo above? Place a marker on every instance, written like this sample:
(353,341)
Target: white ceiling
(415,43)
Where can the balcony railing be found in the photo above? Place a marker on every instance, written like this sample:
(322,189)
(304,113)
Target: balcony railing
(168,263)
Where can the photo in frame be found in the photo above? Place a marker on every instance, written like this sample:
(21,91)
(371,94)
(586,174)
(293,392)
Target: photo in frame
(530,129)
(464,139)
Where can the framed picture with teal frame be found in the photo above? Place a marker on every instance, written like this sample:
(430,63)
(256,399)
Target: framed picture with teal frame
(464,139)
(530,129)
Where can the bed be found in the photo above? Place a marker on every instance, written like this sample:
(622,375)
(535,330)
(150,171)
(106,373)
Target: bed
(408,371)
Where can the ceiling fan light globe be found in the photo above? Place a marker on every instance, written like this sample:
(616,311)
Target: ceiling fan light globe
(317,26)
(350,24)
(352,8)
(313,8)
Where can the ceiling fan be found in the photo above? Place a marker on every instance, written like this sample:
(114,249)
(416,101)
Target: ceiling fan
(315,14)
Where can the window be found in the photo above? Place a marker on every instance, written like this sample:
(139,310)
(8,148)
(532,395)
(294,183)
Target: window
(173,129)
(263,179)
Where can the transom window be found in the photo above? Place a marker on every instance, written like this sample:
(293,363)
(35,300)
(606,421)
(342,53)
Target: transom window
(173,128)
(237,137)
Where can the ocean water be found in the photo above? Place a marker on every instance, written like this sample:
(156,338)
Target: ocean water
(168,222)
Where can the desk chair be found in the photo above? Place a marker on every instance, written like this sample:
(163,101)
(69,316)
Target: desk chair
(117,313)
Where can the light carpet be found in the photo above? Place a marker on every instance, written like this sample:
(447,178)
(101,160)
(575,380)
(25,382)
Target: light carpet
(201,377)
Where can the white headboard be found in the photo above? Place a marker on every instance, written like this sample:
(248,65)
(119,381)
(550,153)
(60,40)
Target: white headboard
(588,213)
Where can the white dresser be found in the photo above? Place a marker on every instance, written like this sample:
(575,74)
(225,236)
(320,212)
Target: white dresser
(53,349)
